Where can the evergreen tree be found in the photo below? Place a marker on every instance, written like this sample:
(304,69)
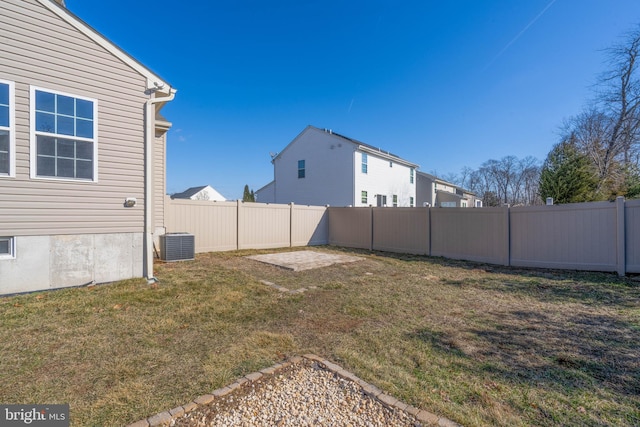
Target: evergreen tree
(248,195)
(567,175)
(632,183)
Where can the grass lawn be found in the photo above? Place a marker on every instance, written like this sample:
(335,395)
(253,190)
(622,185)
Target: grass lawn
(480,345)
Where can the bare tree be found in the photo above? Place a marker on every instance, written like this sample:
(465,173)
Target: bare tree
(619,95)
(528,181)
(202,196)
(506,181)
(608,132)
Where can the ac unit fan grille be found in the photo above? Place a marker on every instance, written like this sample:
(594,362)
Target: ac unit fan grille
(177,247)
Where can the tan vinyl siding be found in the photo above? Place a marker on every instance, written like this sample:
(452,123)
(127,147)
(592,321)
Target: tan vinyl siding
(159,184)
(39,49)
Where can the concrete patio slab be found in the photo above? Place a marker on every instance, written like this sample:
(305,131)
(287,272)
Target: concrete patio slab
(303,260)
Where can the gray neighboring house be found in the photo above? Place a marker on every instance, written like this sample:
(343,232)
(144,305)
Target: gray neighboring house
(82,153)
(436,192)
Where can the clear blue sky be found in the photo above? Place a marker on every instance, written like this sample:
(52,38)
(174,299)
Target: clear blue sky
(444,84)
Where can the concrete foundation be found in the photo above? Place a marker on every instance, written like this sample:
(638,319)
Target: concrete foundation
(50,262)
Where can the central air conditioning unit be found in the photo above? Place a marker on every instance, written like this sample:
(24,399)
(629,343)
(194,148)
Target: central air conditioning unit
(177,247)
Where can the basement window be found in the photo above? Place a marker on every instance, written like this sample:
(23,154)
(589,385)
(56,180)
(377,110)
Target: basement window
(7,247)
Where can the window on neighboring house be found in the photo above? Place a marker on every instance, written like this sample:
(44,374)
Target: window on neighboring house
(301,169)
(364,198)
(365,159)
(7,132)
(395,200)
(390,164)
(64,143)
(411,175)
(7,247)
(410,202)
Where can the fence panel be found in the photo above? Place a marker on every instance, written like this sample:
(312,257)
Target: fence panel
(471,234)
(598,236)
(350,227)
(632,235)
(214,224)
(309,225)
(572,236)
(262,226)
(403,230)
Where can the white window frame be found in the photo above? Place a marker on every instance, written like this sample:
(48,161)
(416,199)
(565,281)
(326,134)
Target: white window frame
(364,197)
(365,163)
(12,248)
(11,129)
(411,173)
(302,171)
(34,134)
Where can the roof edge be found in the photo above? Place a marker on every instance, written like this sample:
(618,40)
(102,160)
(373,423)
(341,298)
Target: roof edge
(154,82)
(387,156)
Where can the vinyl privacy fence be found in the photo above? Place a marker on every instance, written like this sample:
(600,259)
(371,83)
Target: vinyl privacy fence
(223,226)
(601,236)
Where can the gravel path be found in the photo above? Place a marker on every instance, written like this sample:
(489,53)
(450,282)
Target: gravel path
(303,394)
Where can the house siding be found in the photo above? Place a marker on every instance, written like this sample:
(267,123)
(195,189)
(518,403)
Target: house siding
(328,170)
(424,190)
(40,49)
(382,179)
(267,194)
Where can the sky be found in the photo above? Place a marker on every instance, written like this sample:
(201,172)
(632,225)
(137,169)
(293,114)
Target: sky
(446,84)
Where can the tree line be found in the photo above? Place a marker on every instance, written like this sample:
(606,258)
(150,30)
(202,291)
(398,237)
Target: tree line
(598,153)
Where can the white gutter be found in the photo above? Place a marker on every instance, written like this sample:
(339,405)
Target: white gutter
(150,112)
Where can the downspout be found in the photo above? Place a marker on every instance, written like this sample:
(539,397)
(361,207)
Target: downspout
(150,113)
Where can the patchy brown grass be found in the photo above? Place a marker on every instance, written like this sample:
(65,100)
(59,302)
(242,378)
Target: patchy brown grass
(478,344)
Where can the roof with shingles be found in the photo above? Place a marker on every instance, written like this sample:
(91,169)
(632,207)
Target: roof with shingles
(186,194)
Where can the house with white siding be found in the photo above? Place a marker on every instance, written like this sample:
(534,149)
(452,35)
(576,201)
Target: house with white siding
(82,153)
(203,192)
(436,192)
(321,167)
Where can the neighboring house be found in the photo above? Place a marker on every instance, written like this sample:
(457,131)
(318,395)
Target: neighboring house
(82,152)
(433,191)
(204,192)
(321,167)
